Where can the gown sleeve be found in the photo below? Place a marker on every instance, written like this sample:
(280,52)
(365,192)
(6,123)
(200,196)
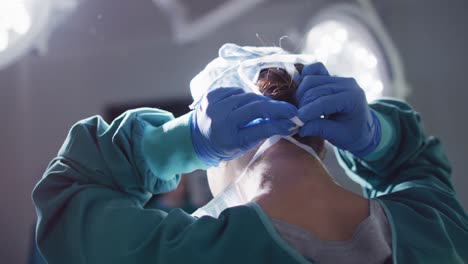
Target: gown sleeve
(91,200)
(411,177)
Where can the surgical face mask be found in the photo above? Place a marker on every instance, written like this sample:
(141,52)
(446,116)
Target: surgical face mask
(245,187)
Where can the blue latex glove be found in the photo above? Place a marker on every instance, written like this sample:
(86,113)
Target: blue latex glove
(229,122)
(336,109)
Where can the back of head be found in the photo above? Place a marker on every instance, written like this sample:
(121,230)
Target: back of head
(277,84)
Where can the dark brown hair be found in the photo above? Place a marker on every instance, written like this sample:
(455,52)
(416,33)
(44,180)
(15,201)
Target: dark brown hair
(278,84)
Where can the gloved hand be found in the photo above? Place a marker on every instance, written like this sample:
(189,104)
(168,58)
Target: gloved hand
(229,122)
(336,109)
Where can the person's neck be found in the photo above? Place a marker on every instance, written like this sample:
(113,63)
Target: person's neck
(299,190)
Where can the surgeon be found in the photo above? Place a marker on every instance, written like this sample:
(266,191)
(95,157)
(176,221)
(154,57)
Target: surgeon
(274,201)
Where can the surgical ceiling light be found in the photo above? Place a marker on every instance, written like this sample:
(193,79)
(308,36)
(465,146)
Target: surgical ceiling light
(14,21)
(25,25)
(351,43)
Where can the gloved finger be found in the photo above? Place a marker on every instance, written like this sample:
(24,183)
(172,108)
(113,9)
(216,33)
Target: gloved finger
(326,105)
(239,100)
(270,109)
(222,93)
(320,91)
(314,69)
(251,135)
(311,82)
(319,127)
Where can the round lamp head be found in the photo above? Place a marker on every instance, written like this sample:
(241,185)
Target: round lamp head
(340,38)
(21,23)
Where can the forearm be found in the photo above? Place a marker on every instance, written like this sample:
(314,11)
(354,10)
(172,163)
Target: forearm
(403,151)
(168,149)
(143,149)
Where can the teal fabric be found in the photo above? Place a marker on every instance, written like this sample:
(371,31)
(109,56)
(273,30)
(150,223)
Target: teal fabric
(412,182)
(92,201)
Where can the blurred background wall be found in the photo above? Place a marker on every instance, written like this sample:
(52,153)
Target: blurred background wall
(109,52)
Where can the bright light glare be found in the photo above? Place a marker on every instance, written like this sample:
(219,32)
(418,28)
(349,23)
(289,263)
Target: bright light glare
(14,19)
(345,52)
(3,40)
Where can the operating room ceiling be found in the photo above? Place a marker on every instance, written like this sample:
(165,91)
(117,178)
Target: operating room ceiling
(101,26)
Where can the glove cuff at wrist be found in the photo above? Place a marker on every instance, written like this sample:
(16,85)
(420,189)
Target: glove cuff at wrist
(375,129)
(163,145)
(201,144)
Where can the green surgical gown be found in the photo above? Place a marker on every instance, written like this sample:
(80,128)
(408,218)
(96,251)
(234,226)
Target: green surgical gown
(92,201)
